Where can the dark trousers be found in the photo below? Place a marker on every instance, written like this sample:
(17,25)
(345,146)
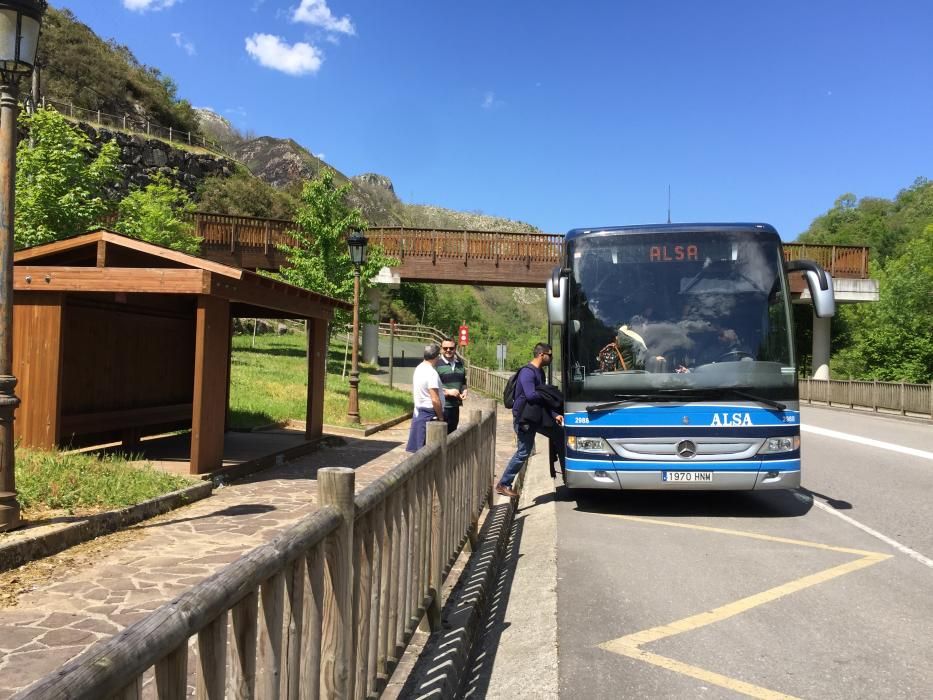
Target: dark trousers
(452,416)
(525,433)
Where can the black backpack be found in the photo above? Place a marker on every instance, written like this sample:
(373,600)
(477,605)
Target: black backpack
(508,394)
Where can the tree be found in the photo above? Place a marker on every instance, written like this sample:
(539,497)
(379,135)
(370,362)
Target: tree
(243,194)
(320,260)
(60,184)
(156,214)
(890,339)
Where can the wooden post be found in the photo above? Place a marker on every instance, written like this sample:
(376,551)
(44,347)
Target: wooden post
(210,373)
(903,404)
(242,679)
(272,594)
(212,659)
(317,374)
(363,573)
(874,395)
(477,463)
(295,575)
(437,433)
(310,685)
(171,674)
(337,654)
(489,407)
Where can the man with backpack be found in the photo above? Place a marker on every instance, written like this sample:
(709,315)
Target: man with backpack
(534,410)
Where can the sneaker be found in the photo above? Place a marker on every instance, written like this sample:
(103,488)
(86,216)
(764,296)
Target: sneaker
(506,491)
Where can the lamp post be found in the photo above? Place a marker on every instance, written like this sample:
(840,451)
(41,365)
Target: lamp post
(20,21)
(357,244)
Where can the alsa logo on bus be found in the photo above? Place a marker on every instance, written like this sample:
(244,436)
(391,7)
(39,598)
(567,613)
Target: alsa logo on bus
(663,253)
(731,419)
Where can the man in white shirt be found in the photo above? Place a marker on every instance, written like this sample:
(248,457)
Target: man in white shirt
(426,391)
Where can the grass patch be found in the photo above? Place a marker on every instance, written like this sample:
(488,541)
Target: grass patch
(268,384)
(86,482)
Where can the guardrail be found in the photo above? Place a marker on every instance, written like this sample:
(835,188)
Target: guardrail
(136,125)
(324,610)
(892,396)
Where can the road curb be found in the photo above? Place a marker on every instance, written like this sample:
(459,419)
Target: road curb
(29,549)
(442,665)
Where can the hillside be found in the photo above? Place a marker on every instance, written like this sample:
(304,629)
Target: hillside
(80,68)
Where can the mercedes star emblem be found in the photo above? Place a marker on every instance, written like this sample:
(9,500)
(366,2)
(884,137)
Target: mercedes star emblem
(686,449)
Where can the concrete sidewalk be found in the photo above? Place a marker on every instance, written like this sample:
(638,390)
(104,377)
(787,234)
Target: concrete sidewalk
(517,655)
(61,605)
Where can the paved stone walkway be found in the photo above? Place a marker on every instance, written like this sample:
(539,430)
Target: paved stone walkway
(93,591)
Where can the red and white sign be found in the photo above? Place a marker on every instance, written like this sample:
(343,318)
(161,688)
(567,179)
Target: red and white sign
(464,336)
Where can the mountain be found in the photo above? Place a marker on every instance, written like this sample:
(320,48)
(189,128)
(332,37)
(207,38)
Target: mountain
(217,128)
(81,69)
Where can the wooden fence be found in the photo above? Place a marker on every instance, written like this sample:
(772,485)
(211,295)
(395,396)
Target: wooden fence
(487,381)
(324,610)
(892,396)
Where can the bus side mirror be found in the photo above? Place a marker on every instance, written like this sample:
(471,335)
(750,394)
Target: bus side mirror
(820,284)
(557,298)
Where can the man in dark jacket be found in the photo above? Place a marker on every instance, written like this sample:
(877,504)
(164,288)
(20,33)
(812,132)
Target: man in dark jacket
(532,413)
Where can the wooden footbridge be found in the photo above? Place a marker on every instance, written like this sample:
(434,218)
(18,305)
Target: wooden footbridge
(453,256)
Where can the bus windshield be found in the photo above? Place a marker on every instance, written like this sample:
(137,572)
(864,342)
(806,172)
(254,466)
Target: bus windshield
(695,312)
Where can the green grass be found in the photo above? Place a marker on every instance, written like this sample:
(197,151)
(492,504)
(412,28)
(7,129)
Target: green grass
(56,481)
(268,384)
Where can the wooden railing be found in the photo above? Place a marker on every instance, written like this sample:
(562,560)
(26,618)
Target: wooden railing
(892,396)
(324,610)
(233,232)
(487,381)
(838,260)
(413,331)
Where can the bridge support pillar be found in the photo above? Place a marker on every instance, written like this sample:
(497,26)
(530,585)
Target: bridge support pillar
(820,347)
(370,348)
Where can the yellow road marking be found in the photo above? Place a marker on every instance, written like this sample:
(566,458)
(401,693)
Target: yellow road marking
(630,645)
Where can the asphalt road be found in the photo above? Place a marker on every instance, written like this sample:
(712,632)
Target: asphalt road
(684,595)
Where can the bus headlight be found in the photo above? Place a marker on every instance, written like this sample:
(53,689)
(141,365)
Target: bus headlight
(774,445)
(590,445)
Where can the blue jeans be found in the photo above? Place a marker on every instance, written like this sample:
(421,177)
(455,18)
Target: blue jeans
(526,442)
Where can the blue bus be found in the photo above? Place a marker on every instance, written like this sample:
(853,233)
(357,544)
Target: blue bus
(677,356)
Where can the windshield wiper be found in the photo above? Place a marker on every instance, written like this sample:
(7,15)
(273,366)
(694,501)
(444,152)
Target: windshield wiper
(632,398)
(753,397)
(684,394)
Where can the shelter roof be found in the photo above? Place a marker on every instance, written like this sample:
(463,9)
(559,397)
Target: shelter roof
(103,261)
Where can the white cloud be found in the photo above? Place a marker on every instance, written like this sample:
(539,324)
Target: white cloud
(489,100)
(320,156)
(272,52)
(146,5)
(318,14)
(183,43)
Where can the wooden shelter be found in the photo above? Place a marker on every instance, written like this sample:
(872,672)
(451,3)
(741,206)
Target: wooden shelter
(115,339)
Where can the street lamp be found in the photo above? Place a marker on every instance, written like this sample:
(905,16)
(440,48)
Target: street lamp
(357,244)
(20,21)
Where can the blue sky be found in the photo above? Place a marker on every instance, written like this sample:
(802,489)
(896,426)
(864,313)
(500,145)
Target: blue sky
(568,114)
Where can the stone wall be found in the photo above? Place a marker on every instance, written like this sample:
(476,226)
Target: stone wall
(140,158)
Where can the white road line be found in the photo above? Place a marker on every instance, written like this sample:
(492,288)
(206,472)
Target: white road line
(877,535)
(922,454)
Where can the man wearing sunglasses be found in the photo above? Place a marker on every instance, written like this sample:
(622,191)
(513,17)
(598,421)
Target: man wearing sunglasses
(532,413)
(453,375)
